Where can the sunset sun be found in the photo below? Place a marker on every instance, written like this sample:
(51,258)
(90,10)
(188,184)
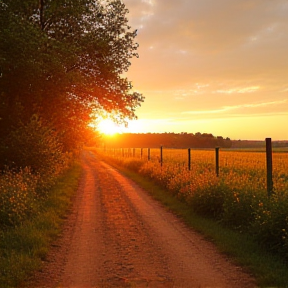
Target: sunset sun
(108,127)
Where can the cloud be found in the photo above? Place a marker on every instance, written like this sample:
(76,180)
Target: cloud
(210,39)
(242,109)
(207,59)
(250,89)
(210,25)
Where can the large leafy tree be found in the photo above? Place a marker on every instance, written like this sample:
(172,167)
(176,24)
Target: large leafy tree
(63,59)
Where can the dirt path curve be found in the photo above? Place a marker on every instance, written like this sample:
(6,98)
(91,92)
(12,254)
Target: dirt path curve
(117,236)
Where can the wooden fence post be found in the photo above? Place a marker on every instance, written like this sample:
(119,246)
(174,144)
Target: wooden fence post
(148,154)
(189,159)
(161,155)
(141,153)
(217,160)
(269,166)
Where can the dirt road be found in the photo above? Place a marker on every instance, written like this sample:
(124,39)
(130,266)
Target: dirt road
(117,236)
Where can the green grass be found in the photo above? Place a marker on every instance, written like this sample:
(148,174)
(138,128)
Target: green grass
(269,270)
(23,248)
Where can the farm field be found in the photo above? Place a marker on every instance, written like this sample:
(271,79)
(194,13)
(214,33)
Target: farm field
(240,168)
(237,198)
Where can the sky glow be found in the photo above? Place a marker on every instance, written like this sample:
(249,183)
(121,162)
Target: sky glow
(207,66)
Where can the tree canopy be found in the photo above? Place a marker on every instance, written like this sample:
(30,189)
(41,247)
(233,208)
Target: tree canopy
(63,59)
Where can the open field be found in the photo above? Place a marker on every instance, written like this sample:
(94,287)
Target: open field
(243,167)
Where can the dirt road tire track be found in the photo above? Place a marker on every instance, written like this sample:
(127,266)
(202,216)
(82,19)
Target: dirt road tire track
(118,236)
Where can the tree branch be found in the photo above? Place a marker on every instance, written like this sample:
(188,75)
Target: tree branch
(41,9)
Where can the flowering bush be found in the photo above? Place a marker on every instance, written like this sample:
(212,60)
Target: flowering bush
(36,146)
(270,225)
(35,159)
(18,198)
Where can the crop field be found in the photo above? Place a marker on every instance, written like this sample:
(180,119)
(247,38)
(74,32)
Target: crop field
(236,168)
(237,196)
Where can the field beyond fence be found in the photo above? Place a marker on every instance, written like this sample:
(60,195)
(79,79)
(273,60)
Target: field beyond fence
(239,159)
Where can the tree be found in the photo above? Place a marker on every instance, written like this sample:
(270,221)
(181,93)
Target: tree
(62,60)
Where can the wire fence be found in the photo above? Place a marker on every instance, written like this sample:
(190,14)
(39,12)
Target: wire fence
(221,161)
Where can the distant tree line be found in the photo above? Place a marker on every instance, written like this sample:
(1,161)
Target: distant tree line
(257,144)
(173,140)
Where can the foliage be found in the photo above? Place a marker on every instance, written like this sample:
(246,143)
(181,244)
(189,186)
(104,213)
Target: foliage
(63,60)
(33,169)
(24,247)
(208,200)
(18,198)
(237,198)
(40,150)
(271,224)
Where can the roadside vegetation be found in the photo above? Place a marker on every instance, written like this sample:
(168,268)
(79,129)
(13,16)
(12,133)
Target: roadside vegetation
(61,67)
(33,224)
(231,211)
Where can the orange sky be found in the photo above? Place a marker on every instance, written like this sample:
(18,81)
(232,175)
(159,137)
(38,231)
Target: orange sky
(209,66)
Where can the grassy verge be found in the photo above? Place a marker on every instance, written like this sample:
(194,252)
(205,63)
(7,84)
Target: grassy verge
(23,248)
(269,270)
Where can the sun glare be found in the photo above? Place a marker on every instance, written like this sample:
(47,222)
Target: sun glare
(108,127)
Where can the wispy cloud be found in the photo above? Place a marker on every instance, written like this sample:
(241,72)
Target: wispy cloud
(235,107)
(242,90)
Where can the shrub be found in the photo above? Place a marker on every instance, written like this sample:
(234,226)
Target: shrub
(17,196)
(36,146)
(270,226)
(133,164)
(239,209)
(208,200)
